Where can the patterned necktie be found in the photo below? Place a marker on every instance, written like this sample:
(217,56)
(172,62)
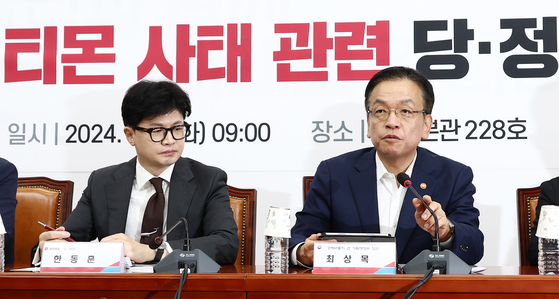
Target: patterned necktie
(152,225)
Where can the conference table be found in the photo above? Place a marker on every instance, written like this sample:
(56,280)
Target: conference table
(251,282)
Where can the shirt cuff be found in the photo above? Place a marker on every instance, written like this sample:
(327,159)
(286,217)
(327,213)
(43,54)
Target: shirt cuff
(167,247)
(293,256)
(294,259)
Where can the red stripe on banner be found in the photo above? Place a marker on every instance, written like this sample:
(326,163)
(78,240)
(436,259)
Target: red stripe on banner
(72,269)
(352,270)
(344,270)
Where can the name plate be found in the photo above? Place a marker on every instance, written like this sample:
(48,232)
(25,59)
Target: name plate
(354,257)
(83,257)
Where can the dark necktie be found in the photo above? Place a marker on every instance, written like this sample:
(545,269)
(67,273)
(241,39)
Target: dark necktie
(152,225)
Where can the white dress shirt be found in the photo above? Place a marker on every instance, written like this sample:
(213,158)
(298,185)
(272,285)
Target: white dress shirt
(390,197)
(142,190)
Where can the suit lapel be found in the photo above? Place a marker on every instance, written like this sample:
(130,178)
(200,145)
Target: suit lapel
(118,196)
(421,175)
(181,194)
(364,191)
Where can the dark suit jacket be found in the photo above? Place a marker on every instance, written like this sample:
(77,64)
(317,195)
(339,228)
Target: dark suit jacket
(8,202)
(343,198)
(549,195)
(197,192)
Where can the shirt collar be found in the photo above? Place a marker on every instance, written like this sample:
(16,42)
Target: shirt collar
(143,176)
(381,169)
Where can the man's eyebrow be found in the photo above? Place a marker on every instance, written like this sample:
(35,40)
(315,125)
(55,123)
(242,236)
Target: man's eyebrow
(404,101)
(379,101)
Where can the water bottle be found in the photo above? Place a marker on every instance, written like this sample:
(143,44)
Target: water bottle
(276,255)
(2,252)
(548,256)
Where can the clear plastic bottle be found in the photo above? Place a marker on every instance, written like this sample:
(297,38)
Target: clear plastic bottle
(548,256)
(276,255)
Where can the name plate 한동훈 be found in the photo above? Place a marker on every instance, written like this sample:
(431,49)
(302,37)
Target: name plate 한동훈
(83,257)
(354,257)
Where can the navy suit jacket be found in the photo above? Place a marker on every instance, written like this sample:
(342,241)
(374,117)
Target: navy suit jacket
(8,202)
(343,198)
(197,192)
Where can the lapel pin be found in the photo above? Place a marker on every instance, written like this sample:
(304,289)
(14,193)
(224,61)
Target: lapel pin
(423,186)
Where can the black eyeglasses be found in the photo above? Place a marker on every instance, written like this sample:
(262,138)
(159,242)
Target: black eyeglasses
(382,114)
(159,134)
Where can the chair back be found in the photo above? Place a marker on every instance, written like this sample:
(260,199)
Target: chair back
(527,201)
(306,186)
(39,199)
(243,204)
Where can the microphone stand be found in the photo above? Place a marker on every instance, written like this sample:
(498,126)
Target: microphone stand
(443,262)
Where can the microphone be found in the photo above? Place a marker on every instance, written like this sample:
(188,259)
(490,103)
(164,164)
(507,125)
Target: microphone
(405,181)
(195,261)
(154,244)
(443,262)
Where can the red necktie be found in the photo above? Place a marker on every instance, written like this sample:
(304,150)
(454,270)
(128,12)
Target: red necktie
(152,225)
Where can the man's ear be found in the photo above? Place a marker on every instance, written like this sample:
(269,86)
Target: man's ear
(129,132)
(427,123)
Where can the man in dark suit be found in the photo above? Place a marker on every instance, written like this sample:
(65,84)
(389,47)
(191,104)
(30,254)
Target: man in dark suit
(358,191)
(549,195)
(113,204)
(8,202)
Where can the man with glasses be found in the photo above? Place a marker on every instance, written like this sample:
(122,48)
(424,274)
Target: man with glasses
(359,192)
(136,201)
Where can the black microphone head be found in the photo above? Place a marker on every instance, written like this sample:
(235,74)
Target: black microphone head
(154,244)
(404,179)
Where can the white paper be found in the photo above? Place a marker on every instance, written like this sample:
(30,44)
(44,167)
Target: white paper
(140,268)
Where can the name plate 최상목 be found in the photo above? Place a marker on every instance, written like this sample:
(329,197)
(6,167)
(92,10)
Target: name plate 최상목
(354,257)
